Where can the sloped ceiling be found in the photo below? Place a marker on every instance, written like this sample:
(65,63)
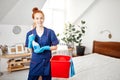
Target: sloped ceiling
(77,8)
(18,12)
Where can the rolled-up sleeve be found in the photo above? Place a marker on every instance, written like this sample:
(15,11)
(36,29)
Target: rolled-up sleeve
(54,39)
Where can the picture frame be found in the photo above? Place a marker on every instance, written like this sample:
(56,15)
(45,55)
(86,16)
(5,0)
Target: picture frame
(1,52)
(19,48)
(11,50)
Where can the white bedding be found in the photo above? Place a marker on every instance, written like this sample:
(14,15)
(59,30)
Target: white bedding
(96,67)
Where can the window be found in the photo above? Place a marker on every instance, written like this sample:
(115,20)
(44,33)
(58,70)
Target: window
(54,15)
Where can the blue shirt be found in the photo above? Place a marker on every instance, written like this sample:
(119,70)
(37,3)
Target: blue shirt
(48,38)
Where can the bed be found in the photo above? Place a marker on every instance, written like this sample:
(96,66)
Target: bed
(102,64)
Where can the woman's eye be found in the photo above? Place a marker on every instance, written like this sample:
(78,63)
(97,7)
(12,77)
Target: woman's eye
(41,18)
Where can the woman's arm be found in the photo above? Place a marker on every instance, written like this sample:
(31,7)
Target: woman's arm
(53,47)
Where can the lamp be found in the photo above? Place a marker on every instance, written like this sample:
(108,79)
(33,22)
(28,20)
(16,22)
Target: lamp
(109,33)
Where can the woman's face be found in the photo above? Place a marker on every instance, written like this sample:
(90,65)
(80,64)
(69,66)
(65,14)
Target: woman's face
(38,19)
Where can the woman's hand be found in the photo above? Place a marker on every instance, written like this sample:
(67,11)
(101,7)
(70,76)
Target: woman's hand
(42,49)
(30,39)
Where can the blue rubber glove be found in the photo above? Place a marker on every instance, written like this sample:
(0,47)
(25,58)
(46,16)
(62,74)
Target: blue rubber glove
(42,49)
(30,39)
(46,47)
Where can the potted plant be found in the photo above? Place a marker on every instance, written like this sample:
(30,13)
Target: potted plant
(68,35)
(73,35)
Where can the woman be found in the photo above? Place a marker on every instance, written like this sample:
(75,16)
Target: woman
(46,41)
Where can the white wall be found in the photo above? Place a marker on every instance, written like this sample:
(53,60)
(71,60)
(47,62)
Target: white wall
(9,38)
(101,15)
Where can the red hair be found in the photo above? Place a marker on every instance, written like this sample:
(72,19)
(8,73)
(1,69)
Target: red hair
(36,10)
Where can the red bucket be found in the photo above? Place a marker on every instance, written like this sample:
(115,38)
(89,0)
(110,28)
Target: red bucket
(60,66)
